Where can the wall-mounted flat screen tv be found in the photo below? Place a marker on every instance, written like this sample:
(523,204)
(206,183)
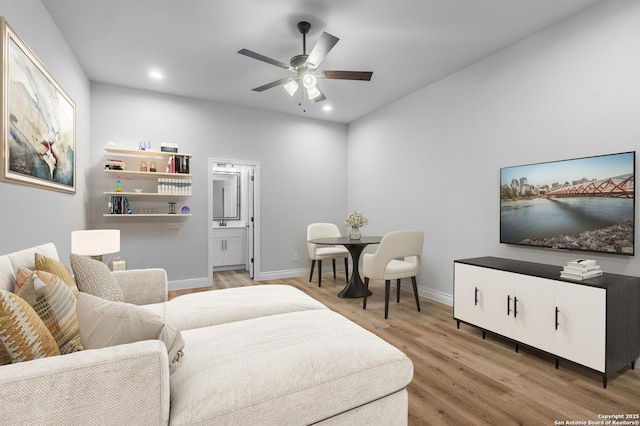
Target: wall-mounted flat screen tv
(582,204)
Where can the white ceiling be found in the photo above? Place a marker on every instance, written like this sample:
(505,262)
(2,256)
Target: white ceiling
(408,44)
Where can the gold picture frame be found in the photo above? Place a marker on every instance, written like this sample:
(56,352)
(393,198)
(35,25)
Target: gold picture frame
(38,121)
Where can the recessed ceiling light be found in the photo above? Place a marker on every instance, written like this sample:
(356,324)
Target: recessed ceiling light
(327,108)
(156,75)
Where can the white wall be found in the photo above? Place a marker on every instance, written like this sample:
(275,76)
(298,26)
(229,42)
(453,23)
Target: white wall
(29,215)
(302,168)
(572,90)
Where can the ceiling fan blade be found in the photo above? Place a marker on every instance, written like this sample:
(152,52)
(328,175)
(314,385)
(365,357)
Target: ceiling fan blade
(321,49)
(276,83)
(263,58)
(347,75)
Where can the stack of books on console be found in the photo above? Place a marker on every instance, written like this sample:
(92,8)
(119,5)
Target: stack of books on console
(581,269)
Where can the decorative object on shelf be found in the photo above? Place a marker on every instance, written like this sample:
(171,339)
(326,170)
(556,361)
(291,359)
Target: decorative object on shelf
(172,207)
(118,185)
(143,166)
(581,269)
(138,190)
(168,147)
(95,242)
(46,157)
(174,186)
(152,166)
(185,210)
(355,220)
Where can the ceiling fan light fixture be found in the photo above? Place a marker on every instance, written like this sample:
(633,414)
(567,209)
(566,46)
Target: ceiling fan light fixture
(291,87)
(313,92)
(309,82)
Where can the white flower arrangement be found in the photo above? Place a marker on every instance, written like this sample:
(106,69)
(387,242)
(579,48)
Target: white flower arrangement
(356,220)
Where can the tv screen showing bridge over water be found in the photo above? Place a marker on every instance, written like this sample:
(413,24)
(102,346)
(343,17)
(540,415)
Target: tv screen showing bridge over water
(583,204)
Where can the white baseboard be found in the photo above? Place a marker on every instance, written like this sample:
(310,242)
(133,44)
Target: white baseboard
(190,283)
(425,292)
(437,296)
(287,273)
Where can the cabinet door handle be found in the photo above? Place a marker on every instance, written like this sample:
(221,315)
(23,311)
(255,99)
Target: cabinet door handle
(476,297)
(222,245)
(515,307)
(557,312)
(508,304)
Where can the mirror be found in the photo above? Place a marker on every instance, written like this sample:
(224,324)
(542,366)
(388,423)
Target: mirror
(226,196)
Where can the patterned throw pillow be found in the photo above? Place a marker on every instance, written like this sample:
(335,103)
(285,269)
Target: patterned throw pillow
(95,278)
(105,323)
(23,335)
(57,268)
(54,303)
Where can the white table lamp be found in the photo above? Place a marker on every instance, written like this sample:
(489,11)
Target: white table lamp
(95,242)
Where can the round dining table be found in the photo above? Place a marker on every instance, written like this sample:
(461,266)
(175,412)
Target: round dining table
(355,287)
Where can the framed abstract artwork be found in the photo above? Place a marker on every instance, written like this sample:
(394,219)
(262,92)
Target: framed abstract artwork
(37,120)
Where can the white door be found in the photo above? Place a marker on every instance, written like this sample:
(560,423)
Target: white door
(533,311)
(581,326)
(251,222)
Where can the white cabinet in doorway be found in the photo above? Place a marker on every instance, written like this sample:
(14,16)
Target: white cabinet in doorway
(228,247)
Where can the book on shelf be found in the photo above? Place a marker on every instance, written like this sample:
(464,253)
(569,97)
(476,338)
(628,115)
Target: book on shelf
(119,205)
(580,276)
(581,269)
(178,164)
(113,164)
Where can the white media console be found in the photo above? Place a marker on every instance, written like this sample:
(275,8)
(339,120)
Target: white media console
(594,322)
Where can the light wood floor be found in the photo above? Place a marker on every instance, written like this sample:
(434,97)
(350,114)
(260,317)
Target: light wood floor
(461,379)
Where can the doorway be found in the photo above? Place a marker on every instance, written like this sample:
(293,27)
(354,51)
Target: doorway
(234,233)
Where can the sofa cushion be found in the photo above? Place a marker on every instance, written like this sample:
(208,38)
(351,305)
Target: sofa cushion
(106,323)
(295,368)
(23,335)
(55,303)
(232,304)
(57,268)
(94,277)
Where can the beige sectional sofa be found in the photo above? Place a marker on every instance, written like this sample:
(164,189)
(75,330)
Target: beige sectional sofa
(259,355)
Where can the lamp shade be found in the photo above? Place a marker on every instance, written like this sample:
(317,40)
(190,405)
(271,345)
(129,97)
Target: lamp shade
(95,242)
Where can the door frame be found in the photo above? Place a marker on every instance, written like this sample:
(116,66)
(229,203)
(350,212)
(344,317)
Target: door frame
(253,226)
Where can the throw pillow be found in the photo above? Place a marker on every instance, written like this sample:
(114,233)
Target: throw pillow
(106,323)
(57,268)
(94,277)
(54,303)
(23,335)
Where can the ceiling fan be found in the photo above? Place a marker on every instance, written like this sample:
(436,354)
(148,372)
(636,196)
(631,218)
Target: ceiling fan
(306,66)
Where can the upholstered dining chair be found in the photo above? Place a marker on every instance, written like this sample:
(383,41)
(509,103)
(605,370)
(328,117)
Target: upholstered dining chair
(323,252)
(385,263)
